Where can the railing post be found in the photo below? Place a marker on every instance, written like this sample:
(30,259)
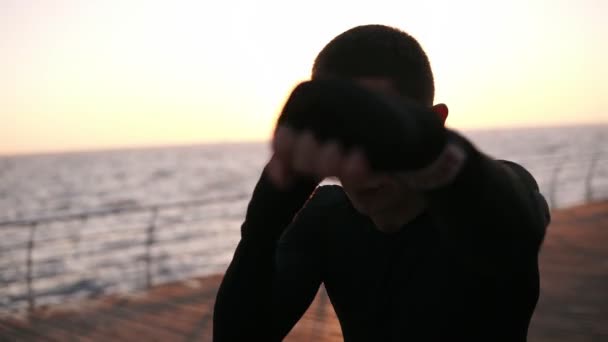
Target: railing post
(589,178)
(149,243)
(29,276)
(553,185)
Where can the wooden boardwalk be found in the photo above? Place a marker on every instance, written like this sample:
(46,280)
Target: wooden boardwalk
(573,304)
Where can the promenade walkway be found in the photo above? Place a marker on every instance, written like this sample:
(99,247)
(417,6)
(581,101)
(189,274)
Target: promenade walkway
(573,304)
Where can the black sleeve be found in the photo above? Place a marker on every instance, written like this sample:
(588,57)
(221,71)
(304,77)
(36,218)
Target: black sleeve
(492,222)
(492,205)
(300,262)
(261,295)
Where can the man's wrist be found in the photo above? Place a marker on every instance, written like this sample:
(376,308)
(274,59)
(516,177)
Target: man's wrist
(442,171)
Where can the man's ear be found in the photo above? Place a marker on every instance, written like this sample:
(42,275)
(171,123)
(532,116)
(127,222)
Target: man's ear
(441,109)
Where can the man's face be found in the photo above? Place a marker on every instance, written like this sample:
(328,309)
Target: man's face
(381,192)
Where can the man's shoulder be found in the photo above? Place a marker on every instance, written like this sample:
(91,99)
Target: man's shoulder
(526,178)
(524,175)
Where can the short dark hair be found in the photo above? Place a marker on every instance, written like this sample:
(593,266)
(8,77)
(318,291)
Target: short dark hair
(379,51)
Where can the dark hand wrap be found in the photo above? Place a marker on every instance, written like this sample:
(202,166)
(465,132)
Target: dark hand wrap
(395,135)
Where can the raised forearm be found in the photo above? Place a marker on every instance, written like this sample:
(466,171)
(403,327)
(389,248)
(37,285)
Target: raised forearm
(243,306)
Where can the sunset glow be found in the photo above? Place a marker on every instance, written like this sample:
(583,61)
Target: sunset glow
(107,74)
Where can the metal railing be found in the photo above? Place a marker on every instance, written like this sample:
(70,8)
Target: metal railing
(588,172)
(66,245)
(155,219)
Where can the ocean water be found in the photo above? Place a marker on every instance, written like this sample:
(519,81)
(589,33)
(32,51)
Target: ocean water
(85,224)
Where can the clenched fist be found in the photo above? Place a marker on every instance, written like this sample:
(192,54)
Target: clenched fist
(338,128)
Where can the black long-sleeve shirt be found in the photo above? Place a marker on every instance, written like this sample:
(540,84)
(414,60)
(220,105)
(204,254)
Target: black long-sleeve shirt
(465,269)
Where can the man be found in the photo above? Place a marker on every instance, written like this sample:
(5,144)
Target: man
(427,239)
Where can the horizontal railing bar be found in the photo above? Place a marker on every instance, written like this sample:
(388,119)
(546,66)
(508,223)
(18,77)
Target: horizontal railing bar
(602,154)
(62,241)
(186,237)
(114,211)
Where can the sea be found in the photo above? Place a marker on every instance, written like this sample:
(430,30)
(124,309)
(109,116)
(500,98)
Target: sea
(87,224)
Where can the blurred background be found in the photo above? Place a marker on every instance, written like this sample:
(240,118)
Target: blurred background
(132,132)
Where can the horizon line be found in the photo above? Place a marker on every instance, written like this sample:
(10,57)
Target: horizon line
(152,146)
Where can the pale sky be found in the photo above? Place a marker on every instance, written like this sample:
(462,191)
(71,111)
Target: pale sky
(89,74)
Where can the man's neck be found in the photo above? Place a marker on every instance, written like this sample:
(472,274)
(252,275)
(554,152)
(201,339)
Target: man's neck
(395,218)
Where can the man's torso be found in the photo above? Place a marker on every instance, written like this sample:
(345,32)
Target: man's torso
(417,283)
